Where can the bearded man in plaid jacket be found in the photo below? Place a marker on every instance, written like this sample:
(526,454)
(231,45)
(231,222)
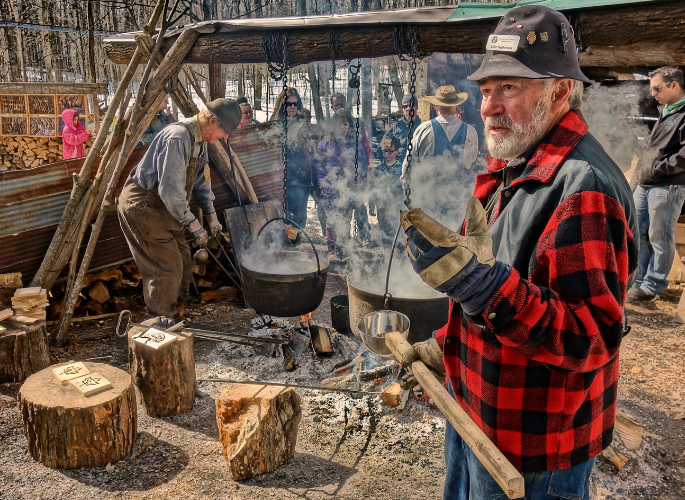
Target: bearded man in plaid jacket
(538,276)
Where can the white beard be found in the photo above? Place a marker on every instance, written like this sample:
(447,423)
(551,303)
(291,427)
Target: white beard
(521,137)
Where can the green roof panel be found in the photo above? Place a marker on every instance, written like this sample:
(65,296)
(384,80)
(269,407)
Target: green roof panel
(467,11)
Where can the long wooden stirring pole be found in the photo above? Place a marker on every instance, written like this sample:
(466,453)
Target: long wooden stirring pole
(508,478)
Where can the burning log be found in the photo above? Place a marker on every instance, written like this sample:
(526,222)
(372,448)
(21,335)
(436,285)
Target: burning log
(321,340)
(376,373)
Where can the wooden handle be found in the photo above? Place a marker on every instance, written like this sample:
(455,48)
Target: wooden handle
(508,478)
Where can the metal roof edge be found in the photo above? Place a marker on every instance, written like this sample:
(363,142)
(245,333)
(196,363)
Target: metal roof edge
(471,11)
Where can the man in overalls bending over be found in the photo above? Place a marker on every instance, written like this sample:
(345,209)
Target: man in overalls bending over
(154,203)
(444,152)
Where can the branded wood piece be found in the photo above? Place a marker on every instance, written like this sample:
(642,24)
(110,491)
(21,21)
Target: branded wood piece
(154,338)
(68,372)
(91,384)
(66,430)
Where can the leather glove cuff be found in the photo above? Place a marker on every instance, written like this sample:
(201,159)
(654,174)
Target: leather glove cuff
(194,226)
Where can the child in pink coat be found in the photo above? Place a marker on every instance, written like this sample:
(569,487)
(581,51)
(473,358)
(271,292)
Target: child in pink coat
(73,135)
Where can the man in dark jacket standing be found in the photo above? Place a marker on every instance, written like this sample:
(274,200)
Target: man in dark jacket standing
(400,128)
(538,276)
(660,189)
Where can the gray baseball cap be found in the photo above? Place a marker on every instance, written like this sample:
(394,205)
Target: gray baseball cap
(228,112)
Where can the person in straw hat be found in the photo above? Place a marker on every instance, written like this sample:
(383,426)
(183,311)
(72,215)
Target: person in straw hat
(449,138)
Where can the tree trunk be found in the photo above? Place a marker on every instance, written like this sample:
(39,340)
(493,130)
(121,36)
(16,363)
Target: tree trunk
(23,351)
(257,76)
(316,93)
(397,87)
(67,430)
(217,85)
(165,377)
(20,40)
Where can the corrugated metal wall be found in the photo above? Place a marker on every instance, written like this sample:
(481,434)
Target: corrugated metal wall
(32,202)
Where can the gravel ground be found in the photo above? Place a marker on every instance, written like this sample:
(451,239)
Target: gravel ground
(347,448)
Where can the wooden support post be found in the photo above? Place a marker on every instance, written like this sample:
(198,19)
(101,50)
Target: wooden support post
(67,430)
(23,351)
(165,376)
(508,478)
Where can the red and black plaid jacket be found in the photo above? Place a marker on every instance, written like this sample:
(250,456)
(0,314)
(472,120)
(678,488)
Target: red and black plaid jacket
(538,369)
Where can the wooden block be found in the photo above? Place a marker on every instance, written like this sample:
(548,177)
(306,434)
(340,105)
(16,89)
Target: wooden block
(614,456)
(321,340)
(37,314)
(257,427)
(154,338)
(630,431)
(99,292)
(91,384)
(224,293)
(65,373)
(393,395)
(5,314)
(27,320)
(2,330)
(30,292)
(203,283)
(35,302)
(20,306)
(10,279)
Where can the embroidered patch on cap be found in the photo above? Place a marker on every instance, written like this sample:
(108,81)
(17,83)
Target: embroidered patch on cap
(503,43)
(531,37)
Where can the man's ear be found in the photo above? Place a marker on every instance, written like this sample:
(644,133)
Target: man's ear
(561,91)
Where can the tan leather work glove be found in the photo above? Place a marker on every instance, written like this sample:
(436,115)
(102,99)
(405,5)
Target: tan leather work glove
(214,224)
(429,352)
(441,257)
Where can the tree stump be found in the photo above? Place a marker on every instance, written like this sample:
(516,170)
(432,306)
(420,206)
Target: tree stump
(67,430)
(257,427)
(23,350)
(165,377)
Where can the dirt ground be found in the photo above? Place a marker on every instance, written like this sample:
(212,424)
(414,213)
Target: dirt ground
(347,448)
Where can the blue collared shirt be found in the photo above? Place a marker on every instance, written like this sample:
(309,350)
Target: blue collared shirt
(164,168)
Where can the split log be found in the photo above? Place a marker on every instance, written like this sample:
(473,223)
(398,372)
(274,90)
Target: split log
(99,292)
(23,351)
(165,377)
(602,27)
(394,395)
(617,459)
(257,428)
(67,430)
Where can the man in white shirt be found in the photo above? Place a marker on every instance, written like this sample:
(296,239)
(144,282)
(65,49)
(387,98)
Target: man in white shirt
(444,152)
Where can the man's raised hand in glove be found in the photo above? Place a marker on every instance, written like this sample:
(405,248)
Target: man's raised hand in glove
(429,352)
(214,224)
(463,267)
(200,236)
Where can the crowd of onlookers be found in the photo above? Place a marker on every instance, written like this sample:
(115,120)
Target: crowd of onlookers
(336,164)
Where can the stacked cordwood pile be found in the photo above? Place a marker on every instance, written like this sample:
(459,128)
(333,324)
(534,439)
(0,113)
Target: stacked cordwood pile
(21,152)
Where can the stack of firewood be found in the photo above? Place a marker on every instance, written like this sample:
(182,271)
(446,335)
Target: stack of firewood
(108,291)
(21,152)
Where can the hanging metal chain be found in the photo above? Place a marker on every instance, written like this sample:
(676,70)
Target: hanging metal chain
(275,50)
(356,83)
(413,33)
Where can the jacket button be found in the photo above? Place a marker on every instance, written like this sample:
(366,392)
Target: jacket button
(492,315)
(507,194)
(448,341)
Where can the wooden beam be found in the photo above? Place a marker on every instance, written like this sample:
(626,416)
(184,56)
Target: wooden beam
(647,54)
(602,27)
(53,88)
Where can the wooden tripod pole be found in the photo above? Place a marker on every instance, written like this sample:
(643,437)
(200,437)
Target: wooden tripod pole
(148,99)
(52,264)
(501,470)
